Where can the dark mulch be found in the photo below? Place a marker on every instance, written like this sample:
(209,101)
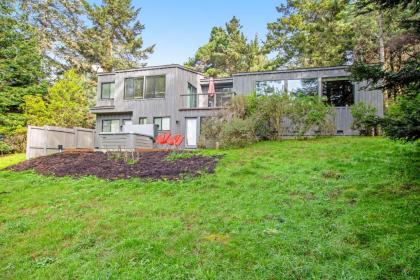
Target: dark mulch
(152,165)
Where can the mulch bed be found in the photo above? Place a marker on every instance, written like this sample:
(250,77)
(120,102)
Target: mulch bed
(150,165)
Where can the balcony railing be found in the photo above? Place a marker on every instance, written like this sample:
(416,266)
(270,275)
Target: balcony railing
(205,101)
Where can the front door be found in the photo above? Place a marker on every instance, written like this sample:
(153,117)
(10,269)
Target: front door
(191,132)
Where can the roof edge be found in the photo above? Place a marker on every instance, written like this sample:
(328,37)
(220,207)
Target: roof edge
(293,70)
(166,66)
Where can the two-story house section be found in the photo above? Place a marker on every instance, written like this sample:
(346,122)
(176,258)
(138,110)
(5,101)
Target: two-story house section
(177,99)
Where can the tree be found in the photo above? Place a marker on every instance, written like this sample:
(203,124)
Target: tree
(65,104)
(21,72)
(398,75)
(311,33)
(228,51)
(80,35)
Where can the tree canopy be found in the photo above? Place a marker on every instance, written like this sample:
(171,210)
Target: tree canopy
(228,51)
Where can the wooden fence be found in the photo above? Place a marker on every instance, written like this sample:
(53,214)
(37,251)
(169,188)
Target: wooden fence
(42,141)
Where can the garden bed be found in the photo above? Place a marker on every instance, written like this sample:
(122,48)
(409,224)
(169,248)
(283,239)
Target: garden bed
(152,165)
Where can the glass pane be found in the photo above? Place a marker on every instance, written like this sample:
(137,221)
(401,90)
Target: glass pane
(112,90)
(158,121)
(142,120)
(150,87)
(129,88)
(106,126)
(192,96)
(127,122)
(269,87)
(306,87)
(166,124)
(339,93)
(105,90)
(115,126)
(139,87)
(160,86)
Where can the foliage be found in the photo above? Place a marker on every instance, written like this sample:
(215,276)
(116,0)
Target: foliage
(365,119)
(4,148)
(7,160)
(402,120)
(21,70)
(228,51)
(309,113)
(350,203)
(175,155)
(80,35)
(238,133)
(65,105)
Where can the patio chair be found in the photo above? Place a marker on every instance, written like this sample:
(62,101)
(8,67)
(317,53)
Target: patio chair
(176,140)
(162,138)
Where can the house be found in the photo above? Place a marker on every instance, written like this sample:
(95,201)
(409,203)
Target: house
(176,99)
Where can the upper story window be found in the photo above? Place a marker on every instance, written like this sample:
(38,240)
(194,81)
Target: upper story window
(269,87)
(339,92)
(305,87)
(107,90)
(155,87)
(133,87)
(142,120)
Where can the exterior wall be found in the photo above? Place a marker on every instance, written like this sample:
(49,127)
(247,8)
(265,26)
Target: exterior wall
(244,84)
(124,140)
(177,79)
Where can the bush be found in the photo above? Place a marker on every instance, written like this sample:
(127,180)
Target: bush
(4,148)
(365,119)
(238,133)
(402,121)
(308,113)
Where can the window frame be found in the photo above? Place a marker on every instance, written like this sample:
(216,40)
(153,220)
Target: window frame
(154,95)
(111,90)
(315,93)
(134,80)
(111,120)
(143,118)
(337,79)
(160,127)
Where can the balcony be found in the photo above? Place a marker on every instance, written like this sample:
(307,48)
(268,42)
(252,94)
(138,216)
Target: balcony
(105,103)
(205,101)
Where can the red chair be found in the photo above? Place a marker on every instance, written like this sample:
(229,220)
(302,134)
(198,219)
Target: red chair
(171,140)
(178,140)
(162,138)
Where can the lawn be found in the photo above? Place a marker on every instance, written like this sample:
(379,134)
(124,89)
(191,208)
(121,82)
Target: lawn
(333,208)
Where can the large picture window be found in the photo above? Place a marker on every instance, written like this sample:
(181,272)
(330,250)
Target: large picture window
(110,125)
(269,87)
(305,87)
(133,87)
(107,90)
(339,92)
(155,87)
(163,123)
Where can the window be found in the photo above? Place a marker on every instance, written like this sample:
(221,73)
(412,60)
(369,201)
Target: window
(110,125)
(339,92)
(163,123)
(142,120)
(306,87)
(192,96)
(133,87)
(107,90)
(155,87)
(269,87)
(129,122)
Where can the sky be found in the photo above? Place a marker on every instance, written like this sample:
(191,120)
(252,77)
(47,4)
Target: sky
(180,27)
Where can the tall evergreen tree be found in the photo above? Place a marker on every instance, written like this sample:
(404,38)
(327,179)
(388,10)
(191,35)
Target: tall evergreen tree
(81,35)
(20,68)
(228,51)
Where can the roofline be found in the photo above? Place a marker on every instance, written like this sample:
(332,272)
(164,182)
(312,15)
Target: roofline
(292,70)
(217,80)
(166,66)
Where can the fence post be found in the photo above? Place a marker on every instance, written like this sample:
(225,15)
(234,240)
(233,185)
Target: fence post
(75,135)
(46,129)
(28,139)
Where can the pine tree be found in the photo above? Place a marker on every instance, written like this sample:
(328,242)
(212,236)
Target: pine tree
(228,51)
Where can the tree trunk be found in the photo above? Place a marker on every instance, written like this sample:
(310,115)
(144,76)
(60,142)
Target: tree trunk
(381,37)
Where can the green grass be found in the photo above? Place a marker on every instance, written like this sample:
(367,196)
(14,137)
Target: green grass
(8,160)
(334,208)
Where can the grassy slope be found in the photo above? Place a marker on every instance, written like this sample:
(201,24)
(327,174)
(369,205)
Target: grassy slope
(5,161)
(329,208)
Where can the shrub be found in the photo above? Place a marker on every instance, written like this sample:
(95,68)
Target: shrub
(402,121)
(238,133)
(308,113)
(4,148)
(364,118)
